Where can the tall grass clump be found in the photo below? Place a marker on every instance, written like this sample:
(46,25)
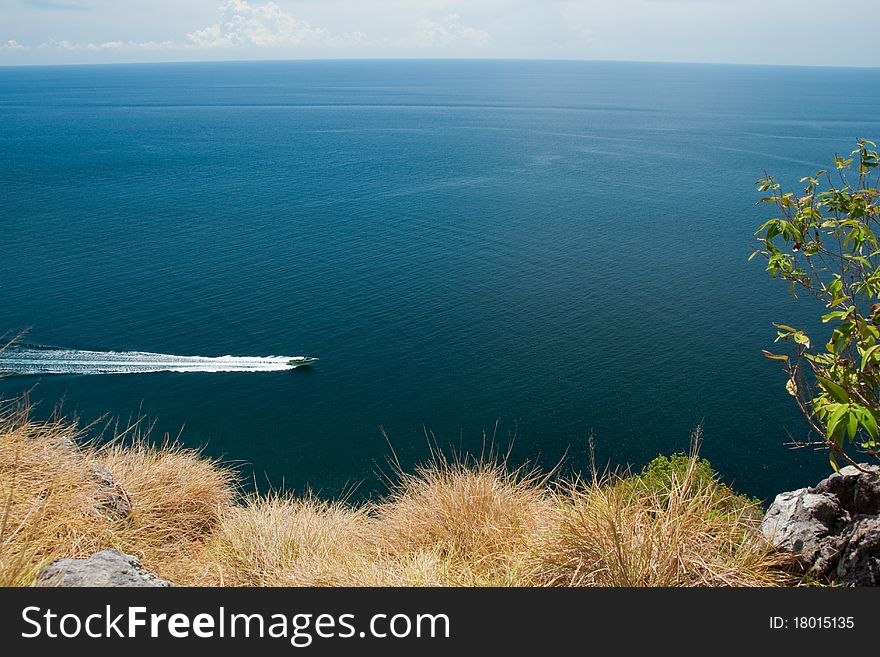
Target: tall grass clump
(176,496)
(471,521)
(48,497)
(282,541)
(681,529)
(62,496)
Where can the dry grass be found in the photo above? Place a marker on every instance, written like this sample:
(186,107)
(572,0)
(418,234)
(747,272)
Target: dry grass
(49,495)
(55,503)
(688,533)
(176,497)
(279,541)
(460,522)
(475,521)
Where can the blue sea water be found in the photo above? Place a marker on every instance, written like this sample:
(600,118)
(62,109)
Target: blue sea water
(550,248)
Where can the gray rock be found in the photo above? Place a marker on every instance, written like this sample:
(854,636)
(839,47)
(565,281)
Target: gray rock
(806,523)
(859,492)
(114,500)
(833,528)
(859,563)
(105,568)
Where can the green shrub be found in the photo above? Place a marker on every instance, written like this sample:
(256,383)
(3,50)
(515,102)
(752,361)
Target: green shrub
(824,243)
(659,473)
(663,473)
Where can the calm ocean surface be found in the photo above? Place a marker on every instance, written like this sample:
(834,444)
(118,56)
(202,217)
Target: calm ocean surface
(561,247)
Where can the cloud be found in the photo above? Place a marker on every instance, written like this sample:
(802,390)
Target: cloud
(251,26)
(131,45)
(445,32)
(107,45)
(244,24)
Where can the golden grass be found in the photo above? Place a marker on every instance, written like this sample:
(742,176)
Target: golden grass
(280,541)
(460,522)
(689,533)
(176,497)
(474,520)
(55,503)
(48,494)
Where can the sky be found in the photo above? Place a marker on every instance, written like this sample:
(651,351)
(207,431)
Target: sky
(799,32)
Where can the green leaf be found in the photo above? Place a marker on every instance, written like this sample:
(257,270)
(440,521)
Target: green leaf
(837,314)
(869,354)
(852,424)
(870,424)
(835,422)
(832,459)
(835,390)
(802,338)
(785,328)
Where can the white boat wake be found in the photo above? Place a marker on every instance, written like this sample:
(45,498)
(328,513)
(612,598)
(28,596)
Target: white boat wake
(20,360)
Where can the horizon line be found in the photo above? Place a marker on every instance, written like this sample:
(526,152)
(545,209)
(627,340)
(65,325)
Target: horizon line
(429,59)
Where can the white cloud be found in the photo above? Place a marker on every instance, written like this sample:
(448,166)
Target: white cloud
(244,24)
(248,25)
(654,30)
(241,24)
(446,32)
(131,45)
(107,45)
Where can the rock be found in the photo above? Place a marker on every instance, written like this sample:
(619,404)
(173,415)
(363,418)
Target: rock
(859,563)
(807,523)
(114,501)
(857,491)
(833,528)
(105,568)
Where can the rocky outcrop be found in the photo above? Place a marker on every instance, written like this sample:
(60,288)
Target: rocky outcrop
(833,528)
(105,568)
(114,501)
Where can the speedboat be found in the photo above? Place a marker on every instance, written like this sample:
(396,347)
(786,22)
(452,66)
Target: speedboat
(301,361)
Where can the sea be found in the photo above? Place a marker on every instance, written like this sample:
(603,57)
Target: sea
(507,256)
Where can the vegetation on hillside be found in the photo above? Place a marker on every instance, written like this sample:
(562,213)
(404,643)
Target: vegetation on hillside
(452,522)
